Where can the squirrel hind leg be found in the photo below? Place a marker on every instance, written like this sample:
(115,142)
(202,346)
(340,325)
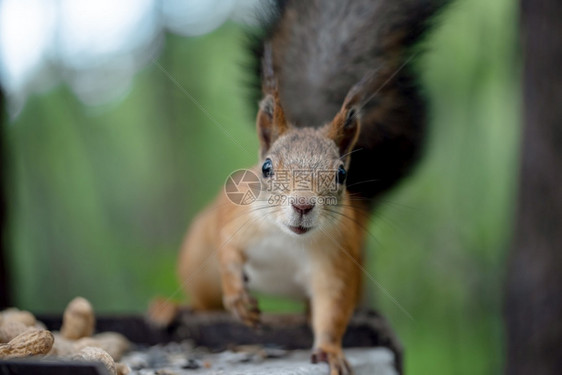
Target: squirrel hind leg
(200,279)
(198,267)
(206,297)
(162,312)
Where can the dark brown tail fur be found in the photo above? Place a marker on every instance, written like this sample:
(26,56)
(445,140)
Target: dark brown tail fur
(322,48)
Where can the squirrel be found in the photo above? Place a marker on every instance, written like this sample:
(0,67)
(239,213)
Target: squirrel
(340,122)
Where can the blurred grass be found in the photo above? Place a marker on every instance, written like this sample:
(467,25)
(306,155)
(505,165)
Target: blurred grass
(442,236)
(100,197)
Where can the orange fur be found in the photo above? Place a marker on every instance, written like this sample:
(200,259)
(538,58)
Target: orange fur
(309,250)
(212,258)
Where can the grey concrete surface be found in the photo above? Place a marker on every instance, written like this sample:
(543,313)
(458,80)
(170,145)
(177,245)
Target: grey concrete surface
(365,361)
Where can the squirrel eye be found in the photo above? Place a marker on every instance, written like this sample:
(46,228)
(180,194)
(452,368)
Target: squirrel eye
(267,168)
(341,175)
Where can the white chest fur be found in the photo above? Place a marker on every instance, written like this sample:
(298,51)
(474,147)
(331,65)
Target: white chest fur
(279,264)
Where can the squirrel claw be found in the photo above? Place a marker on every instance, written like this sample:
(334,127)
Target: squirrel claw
(337,362)
(245,308)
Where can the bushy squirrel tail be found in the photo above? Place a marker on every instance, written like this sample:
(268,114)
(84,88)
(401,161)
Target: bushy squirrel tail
(322,48)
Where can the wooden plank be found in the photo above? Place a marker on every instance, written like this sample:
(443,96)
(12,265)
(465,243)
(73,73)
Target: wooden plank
(51,367)
(219,330)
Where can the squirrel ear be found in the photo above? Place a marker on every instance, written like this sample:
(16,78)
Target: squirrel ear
(344,128)
(271,122)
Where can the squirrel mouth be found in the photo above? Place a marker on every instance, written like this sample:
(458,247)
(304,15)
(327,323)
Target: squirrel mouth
(299,229)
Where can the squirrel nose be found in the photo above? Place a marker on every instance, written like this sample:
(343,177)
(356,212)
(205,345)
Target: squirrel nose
(303,208)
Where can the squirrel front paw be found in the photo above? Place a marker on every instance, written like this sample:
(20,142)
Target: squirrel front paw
(244,307)
(335,359)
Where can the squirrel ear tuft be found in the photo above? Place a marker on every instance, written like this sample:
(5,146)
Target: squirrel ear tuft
(344,128)
(271,122)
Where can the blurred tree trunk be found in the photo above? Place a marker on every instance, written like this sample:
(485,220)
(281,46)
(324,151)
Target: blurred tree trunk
(4,277)
(533,307)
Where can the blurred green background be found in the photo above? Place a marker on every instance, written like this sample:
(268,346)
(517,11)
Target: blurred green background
(100,197)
